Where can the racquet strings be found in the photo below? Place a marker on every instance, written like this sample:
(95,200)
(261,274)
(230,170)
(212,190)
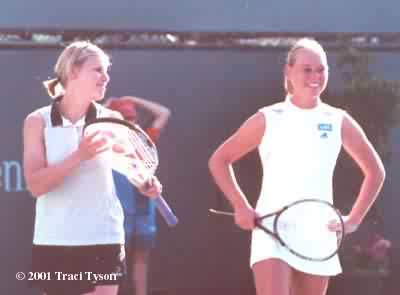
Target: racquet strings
(304,229)
(133,154)
(141,155)
(143,150)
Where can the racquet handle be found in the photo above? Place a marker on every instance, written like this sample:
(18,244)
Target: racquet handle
(166,211)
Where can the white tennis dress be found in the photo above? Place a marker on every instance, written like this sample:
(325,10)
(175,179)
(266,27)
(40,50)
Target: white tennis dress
(298,153)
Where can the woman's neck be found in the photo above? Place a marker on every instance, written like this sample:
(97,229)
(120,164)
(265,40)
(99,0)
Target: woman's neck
(73,108)
(305,102)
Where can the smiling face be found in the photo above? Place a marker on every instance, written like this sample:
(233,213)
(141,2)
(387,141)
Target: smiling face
(82,69)
(91,77)
(306,71)
(308,75)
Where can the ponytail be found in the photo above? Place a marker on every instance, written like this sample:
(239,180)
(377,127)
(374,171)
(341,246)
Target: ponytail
(51,87)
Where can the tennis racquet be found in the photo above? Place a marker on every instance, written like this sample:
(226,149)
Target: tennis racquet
(302,228)
(133,154)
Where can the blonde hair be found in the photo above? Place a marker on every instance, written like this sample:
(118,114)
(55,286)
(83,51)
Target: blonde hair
(304,43)
(74,54)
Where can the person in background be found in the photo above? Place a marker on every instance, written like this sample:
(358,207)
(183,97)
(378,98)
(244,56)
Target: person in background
(139,211)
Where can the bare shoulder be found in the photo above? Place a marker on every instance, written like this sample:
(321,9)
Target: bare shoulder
(350,127)
(354,139)
(34,120)
(257,122)
(357,144)
(33,134)
(244,140)
(252,130)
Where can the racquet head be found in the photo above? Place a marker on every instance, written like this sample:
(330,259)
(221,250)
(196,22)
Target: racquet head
(302,227)
(132,152)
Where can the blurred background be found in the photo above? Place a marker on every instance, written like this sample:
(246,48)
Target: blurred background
(213,63)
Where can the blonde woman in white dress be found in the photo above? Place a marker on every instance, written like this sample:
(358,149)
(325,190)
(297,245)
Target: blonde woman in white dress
(299,140)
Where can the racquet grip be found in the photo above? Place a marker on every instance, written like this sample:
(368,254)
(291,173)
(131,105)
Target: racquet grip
(166,211)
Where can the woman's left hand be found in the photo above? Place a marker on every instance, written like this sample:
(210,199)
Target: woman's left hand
(151,188)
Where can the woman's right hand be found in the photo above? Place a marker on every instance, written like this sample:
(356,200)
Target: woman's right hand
(245,217)
(92,145)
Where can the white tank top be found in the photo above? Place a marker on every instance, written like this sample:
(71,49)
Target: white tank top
(84,209)
(298,153)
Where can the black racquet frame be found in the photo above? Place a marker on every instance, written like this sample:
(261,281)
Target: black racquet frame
(275,233)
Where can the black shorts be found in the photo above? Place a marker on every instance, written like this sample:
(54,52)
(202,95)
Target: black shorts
(76,269)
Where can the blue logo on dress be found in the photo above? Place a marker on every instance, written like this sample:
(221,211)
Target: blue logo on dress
(325,128)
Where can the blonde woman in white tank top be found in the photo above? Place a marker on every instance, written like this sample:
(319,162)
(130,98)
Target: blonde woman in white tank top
(79,221)
(298,158)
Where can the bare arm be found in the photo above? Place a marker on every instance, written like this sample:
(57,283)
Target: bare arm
(360,149)
(160,113)
(41,178)
(246,139)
